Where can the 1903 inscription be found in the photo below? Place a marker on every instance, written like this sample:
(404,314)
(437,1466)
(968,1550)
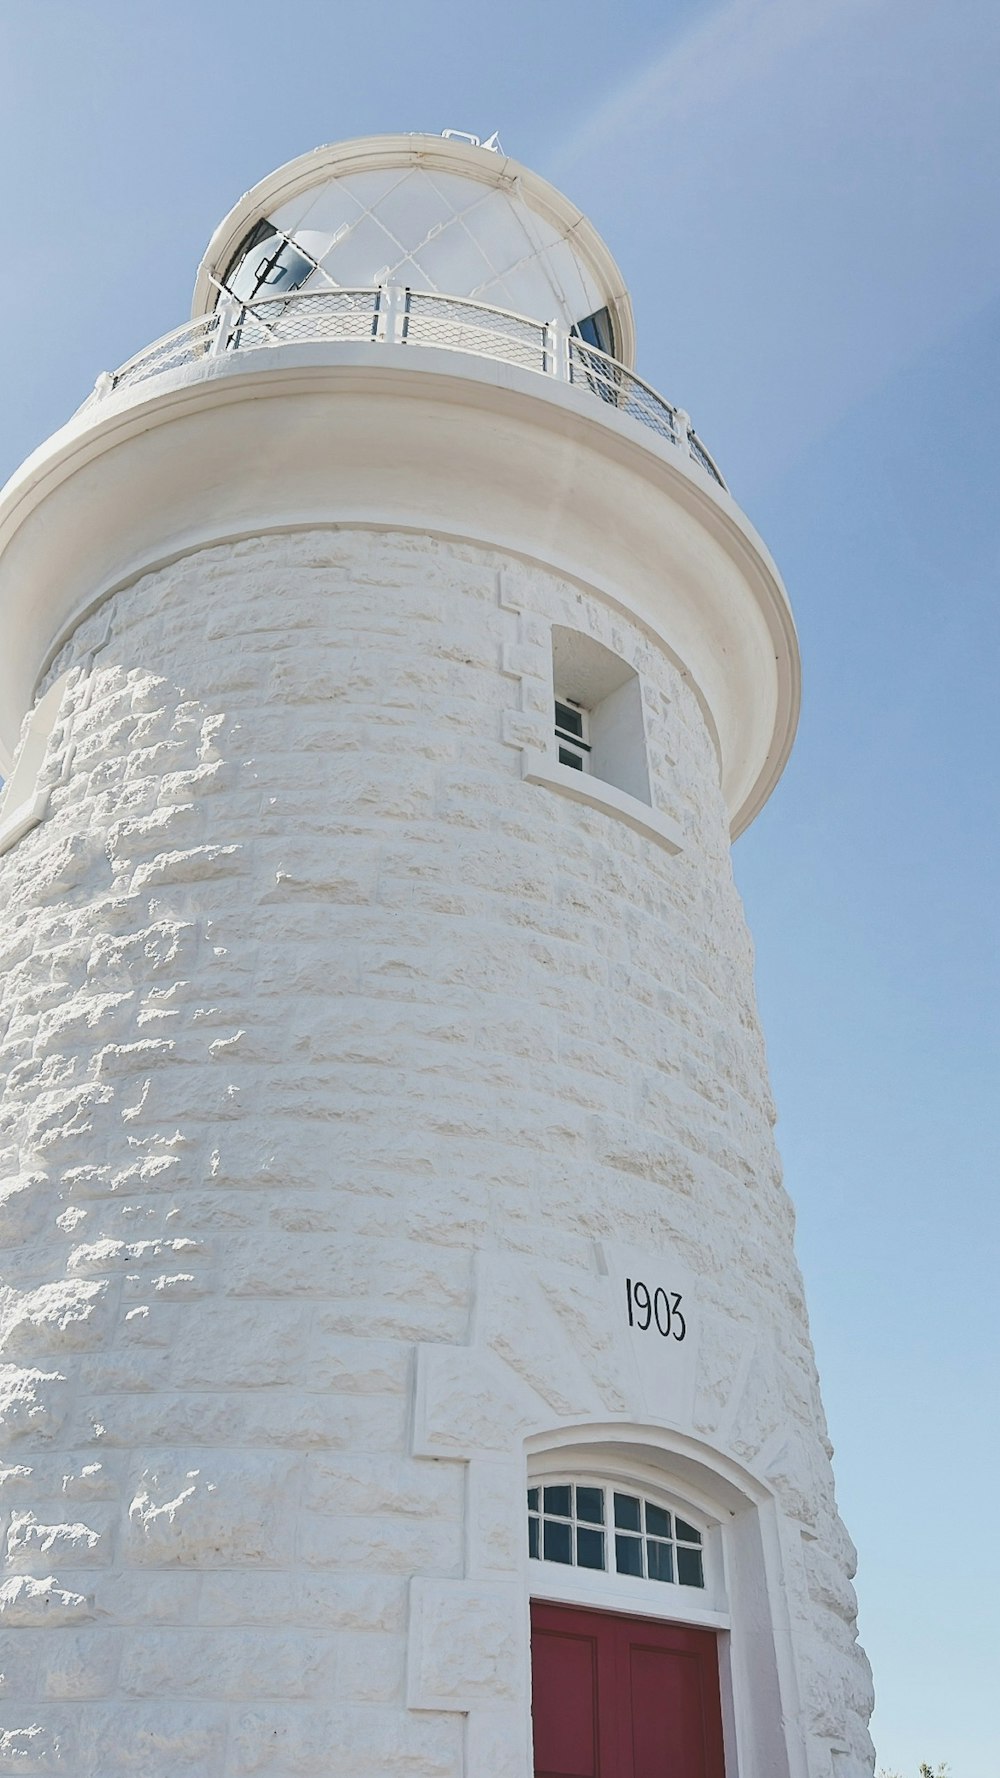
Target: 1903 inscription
(658,1308)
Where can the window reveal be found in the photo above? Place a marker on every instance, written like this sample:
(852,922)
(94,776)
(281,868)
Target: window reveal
(599,722)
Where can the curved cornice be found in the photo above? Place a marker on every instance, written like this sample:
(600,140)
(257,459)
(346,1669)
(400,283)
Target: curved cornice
(427,440)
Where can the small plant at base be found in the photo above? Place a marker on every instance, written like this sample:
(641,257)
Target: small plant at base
(926,1771)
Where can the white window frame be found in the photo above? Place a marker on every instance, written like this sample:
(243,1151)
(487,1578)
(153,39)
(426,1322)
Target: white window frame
(578,745)
(562,1583)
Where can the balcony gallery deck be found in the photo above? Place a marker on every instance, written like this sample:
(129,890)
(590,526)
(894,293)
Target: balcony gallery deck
(388,315)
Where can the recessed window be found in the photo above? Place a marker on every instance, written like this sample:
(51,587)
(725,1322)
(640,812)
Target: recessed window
(599,725)
(587,1525)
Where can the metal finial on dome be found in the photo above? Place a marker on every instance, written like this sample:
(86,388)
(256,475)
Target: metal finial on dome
(492,143)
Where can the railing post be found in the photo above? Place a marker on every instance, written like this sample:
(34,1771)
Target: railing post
(401,319)
(682,422)
(556,351)
(391,318)
(383,304)
(225,325)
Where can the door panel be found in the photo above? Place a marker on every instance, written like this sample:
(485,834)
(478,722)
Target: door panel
(667,1714)
(623,1697)
(564,1675)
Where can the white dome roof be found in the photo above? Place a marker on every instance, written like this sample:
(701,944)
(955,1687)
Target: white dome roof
(429,213)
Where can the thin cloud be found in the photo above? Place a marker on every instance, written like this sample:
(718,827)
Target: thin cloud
(735,48)
(821,173)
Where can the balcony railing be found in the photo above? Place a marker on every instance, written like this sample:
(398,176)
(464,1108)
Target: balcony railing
(390,315)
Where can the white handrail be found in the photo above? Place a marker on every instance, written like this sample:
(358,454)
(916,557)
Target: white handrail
(399,317)
(204,325)
(472,302)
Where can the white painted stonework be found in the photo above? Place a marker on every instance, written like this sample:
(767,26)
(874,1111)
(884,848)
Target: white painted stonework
(350,1069)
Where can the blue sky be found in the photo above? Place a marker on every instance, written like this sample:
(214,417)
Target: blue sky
(802,196)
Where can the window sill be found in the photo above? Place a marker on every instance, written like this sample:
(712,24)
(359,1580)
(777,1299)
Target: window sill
(541,768)
(19,821)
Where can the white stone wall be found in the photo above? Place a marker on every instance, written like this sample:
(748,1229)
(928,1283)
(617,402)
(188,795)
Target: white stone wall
(336,1057)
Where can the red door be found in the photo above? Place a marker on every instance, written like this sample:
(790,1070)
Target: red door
(623,1697)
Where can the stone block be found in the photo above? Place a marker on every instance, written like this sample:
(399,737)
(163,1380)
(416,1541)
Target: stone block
(210,1509)
(175,1740)
(76,1664)
(27,1603)
(467,1644)
(367,1484)
(225,1664)
(367,1741)
(370,1669)
(381,1544)
(33,1545)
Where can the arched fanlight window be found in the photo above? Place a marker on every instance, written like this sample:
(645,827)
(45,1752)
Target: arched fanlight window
(611,1528)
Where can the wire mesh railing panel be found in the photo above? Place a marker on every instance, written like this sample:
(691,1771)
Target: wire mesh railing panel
(308,315)
(186,346)
(593,370)
(612,383)
(621,388)
(472,327)
(640,403)
(701,456)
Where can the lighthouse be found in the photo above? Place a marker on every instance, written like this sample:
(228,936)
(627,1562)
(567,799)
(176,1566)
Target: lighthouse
(405,1368)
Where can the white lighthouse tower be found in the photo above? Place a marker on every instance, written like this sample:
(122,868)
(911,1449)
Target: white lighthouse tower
(405,1369)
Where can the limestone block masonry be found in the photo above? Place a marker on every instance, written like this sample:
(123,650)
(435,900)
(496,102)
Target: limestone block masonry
(343,1067)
